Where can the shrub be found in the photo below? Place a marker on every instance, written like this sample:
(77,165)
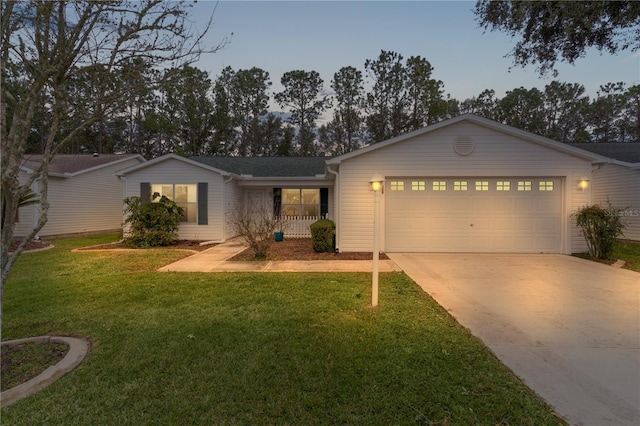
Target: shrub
(600,227)
(152,223)
(256,226)
(323,236)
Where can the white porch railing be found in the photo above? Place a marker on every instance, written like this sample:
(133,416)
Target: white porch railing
(298,226)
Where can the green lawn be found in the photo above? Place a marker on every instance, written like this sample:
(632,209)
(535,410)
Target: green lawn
(272,349)
(629,252)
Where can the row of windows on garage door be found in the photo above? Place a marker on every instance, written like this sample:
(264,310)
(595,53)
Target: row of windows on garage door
(475,185)
(474,214)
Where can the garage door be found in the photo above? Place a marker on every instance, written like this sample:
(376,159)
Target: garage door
(497,215)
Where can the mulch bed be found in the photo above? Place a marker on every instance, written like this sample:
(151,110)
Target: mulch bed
(25,361)
(302,249)
(32,245)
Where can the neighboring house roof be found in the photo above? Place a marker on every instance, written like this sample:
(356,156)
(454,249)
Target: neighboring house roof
(271,167)
(168,157)
(66,165)
(627,152)
(248,167)
(531,137)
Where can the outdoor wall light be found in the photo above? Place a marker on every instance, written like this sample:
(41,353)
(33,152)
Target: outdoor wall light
(376,182)
(583,183)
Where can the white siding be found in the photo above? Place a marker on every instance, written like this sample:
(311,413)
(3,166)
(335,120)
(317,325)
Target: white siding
(331,211)
(27,216)
(621,186)
(233,199)
(495,154)
(174,171)
(87,202)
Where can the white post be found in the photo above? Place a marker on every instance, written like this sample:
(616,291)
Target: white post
(376,249)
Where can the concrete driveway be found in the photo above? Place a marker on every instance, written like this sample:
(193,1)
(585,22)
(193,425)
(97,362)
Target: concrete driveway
(570,328)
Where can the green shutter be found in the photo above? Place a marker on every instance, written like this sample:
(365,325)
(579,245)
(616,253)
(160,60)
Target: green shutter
(277,202)
(203,210)
(145,191)
(324,202)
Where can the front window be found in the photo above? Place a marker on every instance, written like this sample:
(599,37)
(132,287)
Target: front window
(184,195)
(301,202)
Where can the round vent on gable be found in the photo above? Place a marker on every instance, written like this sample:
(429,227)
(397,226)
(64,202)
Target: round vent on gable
(463,145)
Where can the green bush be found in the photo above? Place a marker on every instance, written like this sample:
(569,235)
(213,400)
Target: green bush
(323,236)
(152,224)
(600,227)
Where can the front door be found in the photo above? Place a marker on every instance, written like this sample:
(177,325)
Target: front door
(254,203)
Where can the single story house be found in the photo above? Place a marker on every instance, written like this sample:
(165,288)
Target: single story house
(210,189)
(618,181)
(467,184)
(84,194)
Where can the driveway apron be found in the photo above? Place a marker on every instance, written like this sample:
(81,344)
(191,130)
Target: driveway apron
(568,327)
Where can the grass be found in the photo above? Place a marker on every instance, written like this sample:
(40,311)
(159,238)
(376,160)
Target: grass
(246,348)
(629,252)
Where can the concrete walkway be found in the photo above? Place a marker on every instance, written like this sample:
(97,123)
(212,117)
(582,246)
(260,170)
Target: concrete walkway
(568,327)
(215,260)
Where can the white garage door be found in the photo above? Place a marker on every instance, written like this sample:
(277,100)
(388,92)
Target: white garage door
(496,215)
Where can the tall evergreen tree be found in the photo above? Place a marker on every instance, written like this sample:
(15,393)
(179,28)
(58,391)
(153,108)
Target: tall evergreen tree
(302,96)
(522,108)
(188,94)
(386,101)
(483,105)
(249,101)
(344,133)
(606,113)
(424,94)
(631,115)
(224,134)
(566,108)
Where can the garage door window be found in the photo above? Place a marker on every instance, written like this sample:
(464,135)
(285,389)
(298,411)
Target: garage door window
(397,185)
(460,185)
(482,185)
(524,185)
(503,185)
(418,185)
(439,185)
(546,186)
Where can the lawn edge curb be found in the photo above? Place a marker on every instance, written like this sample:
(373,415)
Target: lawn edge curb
(78,350)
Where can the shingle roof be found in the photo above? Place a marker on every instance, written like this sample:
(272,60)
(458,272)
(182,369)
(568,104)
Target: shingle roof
(267,166)
(69,164)
(628,152)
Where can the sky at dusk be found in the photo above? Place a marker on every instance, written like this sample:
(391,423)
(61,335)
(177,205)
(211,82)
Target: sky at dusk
(281,36)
